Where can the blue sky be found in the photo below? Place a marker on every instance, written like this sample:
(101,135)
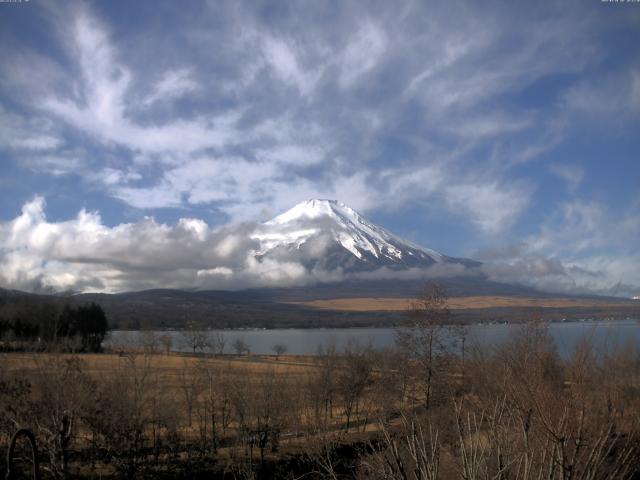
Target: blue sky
(502,131)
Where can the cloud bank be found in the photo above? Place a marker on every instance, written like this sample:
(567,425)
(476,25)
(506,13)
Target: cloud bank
(82,254)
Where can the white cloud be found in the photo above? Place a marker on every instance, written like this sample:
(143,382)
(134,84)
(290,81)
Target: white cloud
(362,53)
(105,87)
(83,253)
(281,57)
(204,180)
(113,176)
(492,125)
(491,206)
(454,48)
(31,135)
(610,100)
(635,89)
(293,155)
(173,84)
(161,195)
(572,174)
(576,226)
(59,163)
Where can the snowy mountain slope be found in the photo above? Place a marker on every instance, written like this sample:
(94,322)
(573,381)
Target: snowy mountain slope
(327,234)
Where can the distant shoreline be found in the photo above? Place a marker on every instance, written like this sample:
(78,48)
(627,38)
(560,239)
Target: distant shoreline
(375,326)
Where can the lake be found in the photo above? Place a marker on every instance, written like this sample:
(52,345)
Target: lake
(605,335)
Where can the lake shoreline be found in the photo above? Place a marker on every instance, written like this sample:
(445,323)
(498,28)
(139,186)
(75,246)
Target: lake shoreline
(377,325)
(307,341)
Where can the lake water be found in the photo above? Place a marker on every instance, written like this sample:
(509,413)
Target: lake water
(605,334)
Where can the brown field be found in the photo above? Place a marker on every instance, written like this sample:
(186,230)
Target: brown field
(169,366)
(367,304)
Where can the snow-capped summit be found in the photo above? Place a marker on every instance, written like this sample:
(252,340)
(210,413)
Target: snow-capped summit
(328,234)
(313,209)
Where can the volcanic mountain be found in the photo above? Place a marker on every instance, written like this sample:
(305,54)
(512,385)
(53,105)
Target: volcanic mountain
(361,281)
(328,235)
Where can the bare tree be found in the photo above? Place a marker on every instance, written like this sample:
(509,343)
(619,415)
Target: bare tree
(388,385)
(121,412)
(61,392)
(217,343)
(167,342)
(279,349)
(412,453)
(195,338)
(423,335)
(321,386)
(191,384)
(271,410)
(212,401)
(353,378)
(460,335)
(149,340)
(240,346)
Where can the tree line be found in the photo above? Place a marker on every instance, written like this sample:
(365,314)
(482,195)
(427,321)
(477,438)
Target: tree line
(30,322)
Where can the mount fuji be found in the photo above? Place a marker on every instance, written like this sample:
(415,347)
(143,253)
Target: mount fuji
(360,275)
(328,235)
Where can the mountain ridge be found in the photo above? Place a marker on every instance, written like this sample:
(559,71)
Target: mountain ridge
(296,308)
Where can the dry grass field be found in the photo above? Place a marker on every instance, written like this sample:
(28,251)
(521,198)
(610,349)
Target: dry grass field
(367,304)
(98,363)
(166,367)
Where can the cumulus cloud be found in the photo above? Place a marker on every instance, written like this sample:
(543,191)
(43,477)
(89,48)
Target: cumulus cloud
(83,254)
